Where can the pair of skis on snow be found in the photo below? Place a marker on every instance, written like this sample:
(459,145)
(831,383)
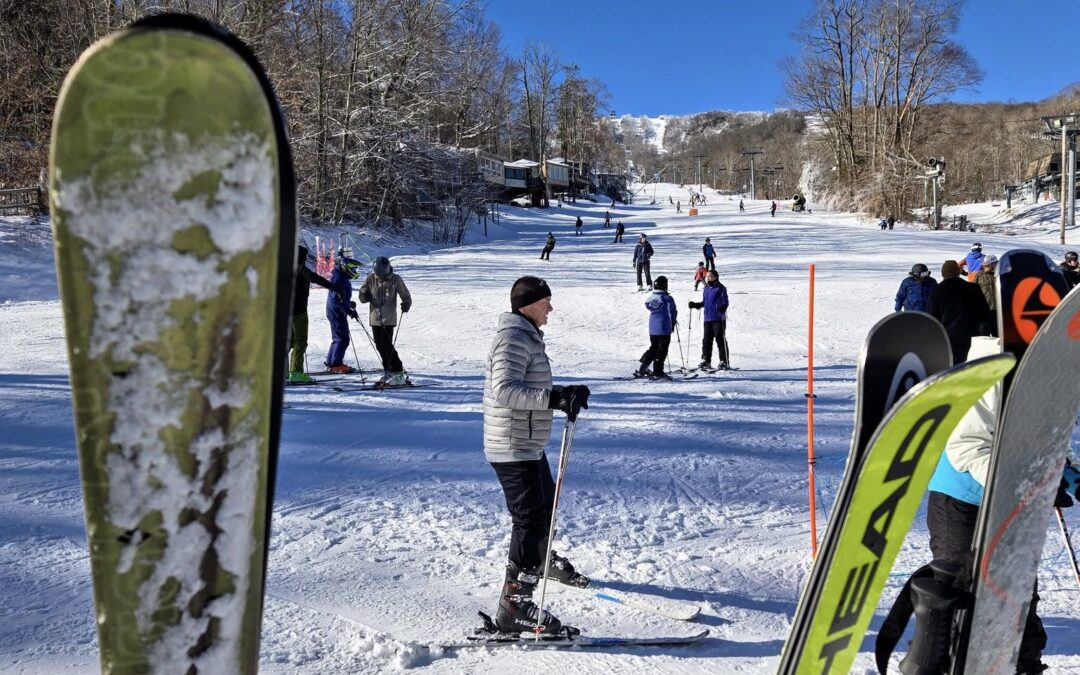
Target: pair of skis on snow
(170,157)
(907,406)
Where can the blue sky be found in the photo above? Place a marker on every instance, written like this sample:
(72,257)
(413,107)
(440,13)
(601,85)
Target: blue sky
(686,56)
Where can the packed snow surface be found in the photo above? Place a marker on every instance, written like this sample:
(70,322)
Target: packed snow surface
(390,531)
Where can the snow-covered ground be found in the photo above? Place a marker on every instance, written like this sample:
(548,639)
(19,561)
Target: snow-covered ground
(389,527)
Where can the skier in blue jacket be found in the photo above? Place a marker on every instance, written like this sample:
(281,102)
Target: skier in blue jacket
(972,262)
(709,253)
(340,306)
(663,317)
(915,289)
(714,302)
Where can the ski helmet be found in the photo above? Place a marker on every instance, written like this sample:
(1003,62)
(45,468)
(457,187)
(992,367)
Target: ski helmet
(661,283)
(382,266)
(976,246)
(1071,256)
(920,270)
(350,267)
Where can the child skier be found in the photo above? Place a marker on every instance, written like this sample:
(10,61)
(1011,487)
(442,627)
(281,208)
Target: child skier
(340,306)
(663,317)
(699,274)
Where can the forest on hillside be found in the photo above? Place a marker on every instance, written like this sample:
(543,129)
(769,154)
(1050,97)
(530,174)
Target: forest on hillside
(385,97)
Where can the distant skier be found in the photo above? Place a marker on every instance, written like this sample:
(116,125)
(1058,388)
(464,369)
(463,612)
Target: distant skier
(577,226)
(891,220)
(663,317)
(699,274)
(298,335)
(741,207)
(340,306)
(607,218)
(960,307)
(915,290)
(772,210)
(710,254)
(670,200)
(883,224)
(972,262)
(382,288)
(519,398)
(1070,267)
(678,207)
(956,491)
(619,230)
(643,253)
(714,303)
(549,246)
(986,278)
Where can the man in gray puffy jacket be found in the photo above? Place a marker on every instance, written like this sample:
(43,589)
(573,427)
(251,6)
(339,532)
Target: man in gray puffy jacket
(519,400)
(382,288)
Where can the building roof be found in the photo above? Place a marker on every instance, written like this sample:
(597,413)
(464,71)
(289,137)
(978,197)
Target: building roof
(523,164)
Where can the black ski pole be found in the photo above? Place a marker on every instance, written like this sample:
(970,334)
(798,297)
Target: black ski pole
(1068,543)
(682,357)
(352,343)
(564,459)
(400,321)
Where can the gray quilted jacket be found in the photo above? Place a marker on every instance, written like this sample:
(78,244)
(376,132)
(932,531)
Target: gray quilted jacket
(383,295)
(517,421)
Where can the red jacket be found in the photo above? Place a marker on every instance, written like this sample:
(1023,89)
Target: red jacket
(699,274)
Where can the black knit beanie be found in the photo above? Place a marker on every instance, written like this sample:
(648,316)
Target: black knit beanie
(528,290)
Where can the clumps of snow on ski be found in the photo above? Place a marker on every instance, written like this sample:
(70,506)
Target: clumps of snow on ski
(133,303)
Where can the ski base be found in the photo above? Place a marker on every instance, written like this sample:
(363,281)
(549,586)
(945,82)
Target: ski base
(321,380)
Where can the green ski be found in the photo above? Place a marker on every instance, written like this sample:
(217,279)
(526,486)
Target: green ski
(174,225)
(891,480)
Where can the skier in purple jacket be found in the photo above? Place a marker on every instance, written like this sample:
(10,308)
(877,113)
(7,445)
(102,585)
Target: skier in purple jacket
(714,303)
(663,317)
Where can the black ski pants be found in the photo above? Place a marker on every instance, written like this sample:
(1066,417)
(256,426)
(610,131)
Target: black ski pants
(714,331)
(710,264)
(384,343)
(618,237)
(952,527)
(546,253)
(644,267)
(656,353)
(530,492)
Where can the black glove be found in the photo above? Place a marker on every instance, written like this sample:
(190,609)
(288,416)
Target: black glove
(696,305)
(405,306)
(570,399)
(352,310)
(723,309)
(1069,489)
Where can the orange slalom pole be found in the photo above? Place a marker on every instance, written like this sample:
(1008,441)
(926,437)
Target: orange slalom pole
(810,421)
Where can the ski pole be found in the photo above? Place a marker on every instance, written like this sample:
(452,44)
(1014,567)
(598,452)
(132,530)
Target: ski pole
(564,459)
(681,355)
(352,343)
(400,321)
(1068,543)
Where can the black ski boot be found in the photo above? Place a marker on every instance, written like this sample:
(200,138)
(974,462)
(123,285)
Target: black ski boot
(562,571)
(517,612)
(643,371)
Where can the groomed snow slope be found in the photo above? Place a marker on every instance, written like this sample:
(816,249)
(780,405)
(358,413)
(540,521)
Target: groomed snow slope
(389,527)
